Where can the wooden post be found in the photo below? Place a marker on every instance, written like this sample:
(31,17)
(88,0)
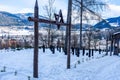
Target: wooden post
(35,67)
(83,52)
(92,52)
(117,46)
(107,45)
(111,48)
(81,13)
(69,32)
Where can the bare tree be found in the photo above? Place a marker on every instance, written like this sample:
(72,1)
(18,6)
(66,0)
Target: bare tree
(50,10)
(91,7)
(87,10)
(96,39)
(74,40)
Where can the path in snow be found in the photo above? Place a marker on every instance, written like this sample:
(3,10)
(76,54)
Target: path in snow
(110,71)
(106,68)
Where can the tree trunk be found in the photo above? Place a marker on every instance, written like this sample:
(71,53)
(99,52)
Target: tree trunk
(69,32)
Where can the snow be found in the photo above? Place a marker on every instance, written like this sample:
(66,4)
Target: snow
(116,33)
(14,31)
(19,66)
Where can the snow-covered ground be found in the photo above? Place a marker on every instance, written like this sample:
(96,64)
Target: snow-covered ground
(18,65)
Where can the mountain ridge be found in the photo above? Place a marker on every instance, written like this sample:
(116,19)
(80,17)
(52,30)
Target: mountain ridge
(109,23)
(21,19)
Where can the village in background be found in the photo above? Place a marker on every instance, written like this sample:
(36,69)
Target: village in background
(17,37)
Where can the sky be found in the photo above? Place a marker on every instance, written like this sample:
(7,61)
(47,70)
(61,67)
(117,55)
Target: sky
(24,6)
(113,10)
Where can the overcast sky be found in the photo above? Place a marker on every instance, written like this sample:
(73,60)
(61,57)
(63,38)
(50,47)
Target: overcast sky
(114,9)
(24,6)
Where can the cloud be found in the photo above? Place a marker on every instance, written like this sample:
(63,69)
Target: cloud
(113,11)
(13,9)
(25,10)
(7,8)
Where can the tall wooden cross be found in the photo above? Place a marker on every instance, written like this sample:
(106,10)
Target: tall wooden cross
(58,21)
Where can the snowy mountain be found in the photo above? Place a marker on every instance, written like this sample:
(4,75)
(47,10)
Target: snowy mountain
(110,23)
(84,26)
(25,16)
(21,19)
(8,19)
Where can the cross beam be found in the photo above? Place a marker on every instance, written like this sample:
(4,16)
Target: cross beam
(46,21)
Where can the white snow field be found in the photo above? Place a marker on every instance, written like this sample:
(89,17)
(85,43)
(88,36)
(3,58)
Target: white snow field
(18,65)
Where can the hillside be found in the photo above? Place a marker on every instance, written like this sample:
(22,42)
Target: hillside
(8,19)
(110,23)
(20,19)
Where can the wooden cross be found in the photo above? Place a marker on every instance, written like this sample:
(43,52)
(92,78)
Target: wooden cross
(58,21)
